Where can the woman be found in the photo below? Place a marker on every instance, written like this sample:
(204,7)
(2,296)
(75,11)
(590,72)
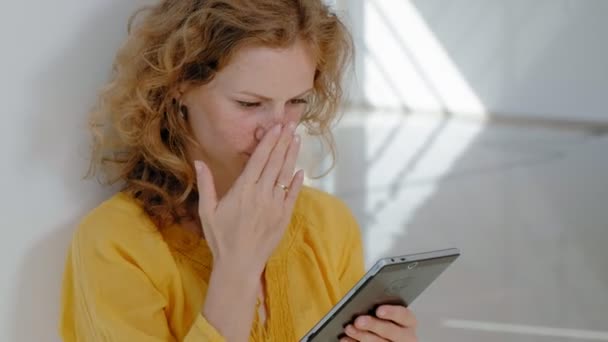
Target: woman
(213,237)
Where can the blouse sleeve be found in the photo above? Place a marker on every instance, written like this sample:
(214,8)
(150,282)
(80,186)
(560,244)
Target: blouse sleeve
(108,294)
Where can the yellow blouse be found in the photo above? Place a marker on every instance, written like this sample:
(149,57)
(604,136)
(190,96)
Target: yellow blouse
(127,281)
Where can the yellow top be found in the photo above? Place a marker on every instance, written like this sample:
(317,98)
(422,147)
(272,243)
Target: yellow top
(127,281)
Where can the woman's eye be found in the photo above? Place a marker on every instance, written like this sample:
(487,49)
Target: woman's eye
(248,104)
(299,101)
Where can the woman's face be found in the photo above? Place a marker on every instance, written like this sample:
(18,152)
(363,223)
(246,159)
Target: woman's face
(259,88)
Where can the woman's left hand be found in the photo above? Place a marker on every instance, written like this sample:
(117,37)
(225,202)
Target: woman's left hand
(393,323)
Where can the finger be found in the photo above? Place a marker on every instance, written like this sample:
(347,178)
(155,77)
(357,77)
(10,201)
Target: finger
(260,156)
(286,174)
(386,329)
(398,314)
(276,160)
(294,190)
(362,335)
(347,339)
(206,189)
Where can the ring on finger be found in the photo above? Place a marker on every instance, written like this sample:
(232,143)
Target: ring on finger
(283,187)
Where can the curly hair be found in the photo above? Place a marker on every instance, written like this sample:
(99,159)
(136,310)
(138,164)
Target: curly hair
(138,138)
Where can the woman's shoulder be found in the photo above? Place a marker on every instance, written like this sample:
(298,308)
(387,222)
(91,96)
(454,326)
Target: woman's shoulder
(117,221)
(117,249)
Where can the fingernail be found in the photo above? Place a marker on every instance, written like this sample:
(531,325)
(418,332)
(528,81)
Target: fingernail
(259,133)
(292,127)
(198,165)
(276,129)
(350,329)
(362,322)
(381,312)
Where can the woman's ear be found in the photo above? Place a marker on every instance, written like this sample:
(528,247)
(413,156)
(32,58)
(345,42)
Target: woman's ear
(176,94)
(182,88)
(177,100)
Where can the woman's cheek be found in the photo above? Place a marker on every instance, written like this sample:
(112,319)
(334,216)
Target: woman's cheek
(241,135)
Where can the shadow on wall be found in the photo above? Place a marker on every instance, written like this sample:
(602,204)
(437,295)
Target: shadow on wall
(544,59)
(36,314)
(64,91)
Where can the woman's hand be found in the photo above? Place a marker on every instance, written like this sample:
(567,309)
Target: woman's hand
(246,225)
(393,323)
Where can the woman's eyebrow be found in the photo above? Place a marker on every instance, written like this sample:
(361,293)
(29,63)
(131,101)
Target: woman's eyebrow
(268,99)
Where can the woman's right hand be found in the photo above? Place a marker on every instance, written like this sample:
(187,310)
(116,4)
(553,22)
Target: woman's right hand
(244,228)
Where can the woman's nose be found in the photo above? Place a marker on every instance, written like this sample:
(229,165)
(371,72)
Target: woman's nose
(278,116)
(260,132)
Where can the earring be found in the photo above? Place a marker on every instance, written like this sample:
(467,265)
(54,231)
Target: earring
(181,109)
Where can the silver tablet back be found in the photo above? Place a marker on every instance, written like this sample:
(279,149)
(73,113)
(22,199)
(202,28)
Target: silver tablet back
(397,280)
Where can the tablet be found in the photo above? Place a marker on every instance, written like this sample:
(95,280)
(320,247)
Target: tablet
(394,280)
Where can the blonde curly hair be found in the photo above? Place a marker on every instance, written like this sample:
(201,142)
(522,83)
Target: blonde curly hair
(138,136)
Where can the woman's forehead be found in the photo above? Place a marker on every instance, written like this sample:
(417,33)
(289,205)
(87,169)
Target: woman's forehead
(269,70)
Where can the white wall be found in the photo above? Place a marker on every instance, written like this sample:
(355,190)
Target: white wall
(54,57)
(540,59)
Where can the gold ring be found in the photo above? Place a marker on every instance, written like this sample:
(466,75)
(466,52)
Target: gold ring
(284,187)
